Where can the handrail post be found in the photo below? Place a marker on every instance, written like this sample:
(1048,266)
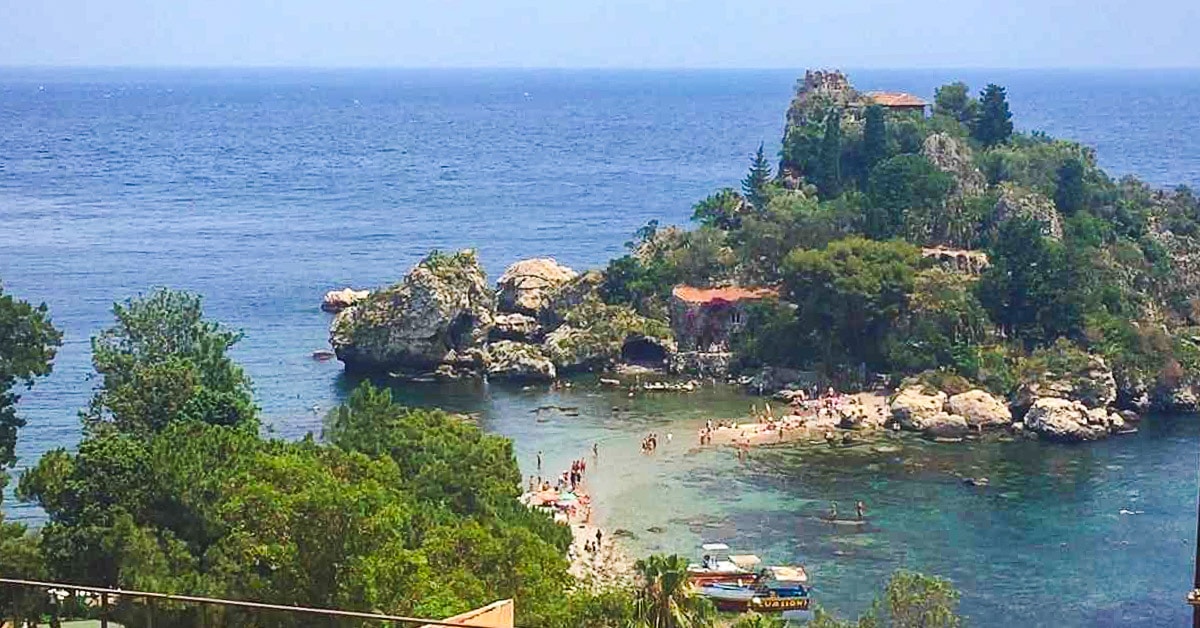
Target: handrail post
(103,610)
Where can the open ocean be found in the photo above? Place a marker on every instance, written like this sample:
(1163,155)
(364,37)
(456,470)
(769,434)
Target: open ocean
(263,189)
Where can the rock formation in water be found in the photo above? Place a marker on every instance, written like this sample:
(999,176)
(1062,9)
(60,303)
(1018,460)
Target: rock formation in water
(439,314)
(1064,420)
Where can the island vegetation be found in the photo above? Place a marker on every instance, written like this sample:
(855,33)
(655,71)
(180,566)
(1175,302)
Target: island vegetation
(904,243)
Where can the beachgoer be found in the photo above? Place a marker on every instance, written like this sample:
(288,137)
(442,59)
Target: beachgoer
(708,425)
(599,538)
(596,449)
(670,436)
(861,510)
(833,511)
(539,461)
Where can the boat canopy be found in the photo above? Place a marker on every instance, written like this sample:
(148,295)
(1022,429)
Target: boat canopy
(714,547)
(788,574)
(745,561)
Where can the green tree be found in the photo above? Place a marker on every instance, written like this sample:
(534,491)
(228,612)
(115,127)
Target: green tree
(829,163)
(756,620)
(1035,289)
(942,324)
(756,185)
(906,196)
(1070,195)
(849,295)
(28,342)
(875,140)
(994,125)
(910,600)
(665,599)
(723,210)
(954,100)
(162,361)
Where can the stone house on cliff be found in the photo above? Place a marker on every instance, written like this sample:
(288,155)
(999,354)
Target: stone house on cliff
(705,319)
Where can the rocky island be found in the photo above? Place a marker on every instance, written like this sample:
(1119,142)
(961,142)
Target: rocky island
(986,278)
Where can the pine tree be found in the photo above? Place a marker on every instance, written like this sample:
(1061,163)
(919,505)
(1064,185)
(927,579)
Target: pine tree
(755,185)
(874,140)
(829,176)
(994,125)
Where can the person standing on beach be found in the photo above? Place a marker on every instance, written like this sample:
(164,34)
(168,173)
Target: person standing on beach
(596,450)
(599,538)
(539,461)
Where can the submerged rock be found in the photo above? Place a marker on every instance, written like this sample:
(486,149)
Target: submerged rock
(980,409)
(440,313)
(527,286)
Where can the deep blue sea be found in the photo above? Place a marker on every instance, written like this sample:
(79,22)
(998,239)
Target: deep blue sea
(263,189)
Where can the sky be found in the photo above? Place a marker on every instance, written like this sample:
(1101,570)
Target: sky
(609,33)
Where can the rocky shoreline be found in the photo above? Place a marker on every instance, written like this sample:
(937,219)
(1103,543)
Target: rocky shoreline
(543,321)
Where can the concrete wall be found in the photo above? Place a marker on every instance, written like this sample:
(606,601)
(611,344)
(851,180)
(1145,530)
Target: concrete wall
(494,615)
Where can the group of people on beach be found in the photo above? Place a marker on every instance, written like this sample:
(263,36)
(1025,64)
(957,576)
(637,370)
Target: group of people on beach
(569,479)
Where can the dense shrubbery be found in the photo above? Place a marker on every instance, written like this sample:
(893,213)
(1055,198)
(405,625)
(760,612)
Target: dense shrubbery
(859,188)
(172,489)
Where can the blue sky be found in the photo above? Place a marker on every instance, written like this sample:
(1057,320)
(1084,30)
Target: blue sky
(612,33)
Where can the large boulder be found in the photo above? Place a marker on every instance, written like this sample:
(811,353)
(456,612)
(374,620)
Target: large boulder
(914,405)
(519,362)
(1063,420)
(1018,202)
(338,300)
(440,313)
(980,409)
(954,158)
(942,425)
(527,286)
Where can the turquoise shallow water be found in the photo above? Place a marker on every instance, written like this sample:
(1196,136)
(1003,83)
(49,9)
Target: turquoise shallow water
(263,189)
(1044,544)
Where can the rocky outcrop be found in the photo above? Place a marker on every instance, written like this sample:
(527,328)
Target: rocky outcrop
(914,405)
(816,93)
(519,362)
(570,295)
(338,300)
(1016,201)
(1068,421)
(518,327)
(958,260)
(1090,383)
(702,363)
(440,313)
(598,335)
(980,409)
(954,158)
(527,286)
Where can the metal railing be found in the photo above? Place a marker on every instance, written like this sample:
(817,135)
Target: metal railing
(107,597)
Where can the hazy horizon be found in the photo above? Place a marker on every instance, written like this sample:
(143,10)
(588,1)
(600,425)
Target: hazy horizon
(618,34)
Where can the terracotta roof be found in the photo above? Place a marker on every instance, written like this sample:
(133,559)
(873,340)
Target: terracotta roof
(896,99)
(728,294)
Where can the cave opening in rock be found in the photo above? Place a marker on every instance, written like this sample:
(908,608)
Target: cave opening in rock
(642,351)
(459,332)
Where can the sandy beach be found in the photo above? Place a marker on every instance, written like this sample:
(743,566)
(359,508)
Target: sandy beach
(779,422)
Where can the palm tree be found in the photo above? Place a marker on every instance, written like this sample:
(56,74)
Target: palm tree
(666,599)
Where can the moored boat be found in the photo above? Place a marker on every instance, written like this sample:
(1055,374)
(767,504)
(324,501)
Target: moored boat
(719,566)
(774,589)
